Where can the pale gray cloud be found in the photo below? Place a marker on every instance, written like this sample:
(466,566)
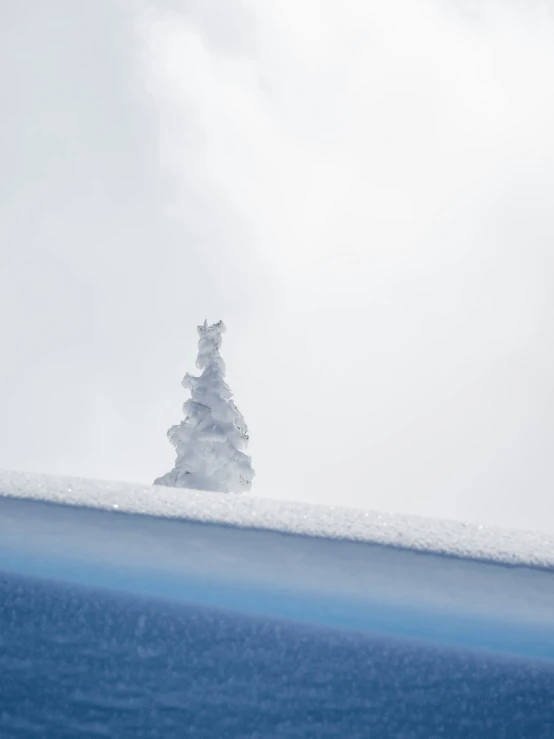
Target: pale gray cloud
(363,193)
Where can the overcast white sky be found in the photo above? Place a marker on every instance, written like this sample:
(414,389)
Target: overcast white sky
(362,191)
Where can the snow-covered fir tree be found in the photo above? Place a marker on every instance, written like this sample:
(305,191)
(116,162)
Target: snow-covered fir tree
(210,440)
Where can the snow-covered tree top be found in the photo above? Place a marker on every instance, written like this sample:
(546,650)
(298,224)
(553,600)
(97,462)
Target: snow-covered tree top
(209,344)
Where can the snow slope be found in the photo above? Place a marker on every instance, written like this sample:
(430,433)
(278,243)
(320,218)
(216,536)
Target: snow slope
(466,540)
(128,610)
(78,662)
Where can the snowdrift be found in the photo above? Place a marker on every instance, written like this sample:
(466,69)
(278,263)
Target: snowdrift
(150,609)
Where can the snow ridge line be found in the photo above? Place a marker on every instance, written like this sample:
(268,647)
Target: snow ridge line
(425,535)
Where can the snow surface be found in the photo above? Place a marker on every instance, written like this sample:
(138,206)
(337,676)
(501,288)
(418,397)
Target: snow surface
(311,563)
(78,662)
(457,539)
(134,611)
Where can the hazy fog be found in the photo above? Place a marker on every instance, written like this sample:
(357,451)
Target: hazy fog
(362,191)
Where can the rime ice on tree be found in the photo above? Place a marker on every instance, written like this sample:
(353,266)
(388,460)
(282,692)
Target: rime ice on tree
(210,440)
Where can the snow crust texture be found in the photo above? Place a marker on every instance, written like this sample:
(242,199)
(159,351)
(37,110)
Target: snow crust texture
(156,625)
(210,440)
(457,539)
(79,662)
